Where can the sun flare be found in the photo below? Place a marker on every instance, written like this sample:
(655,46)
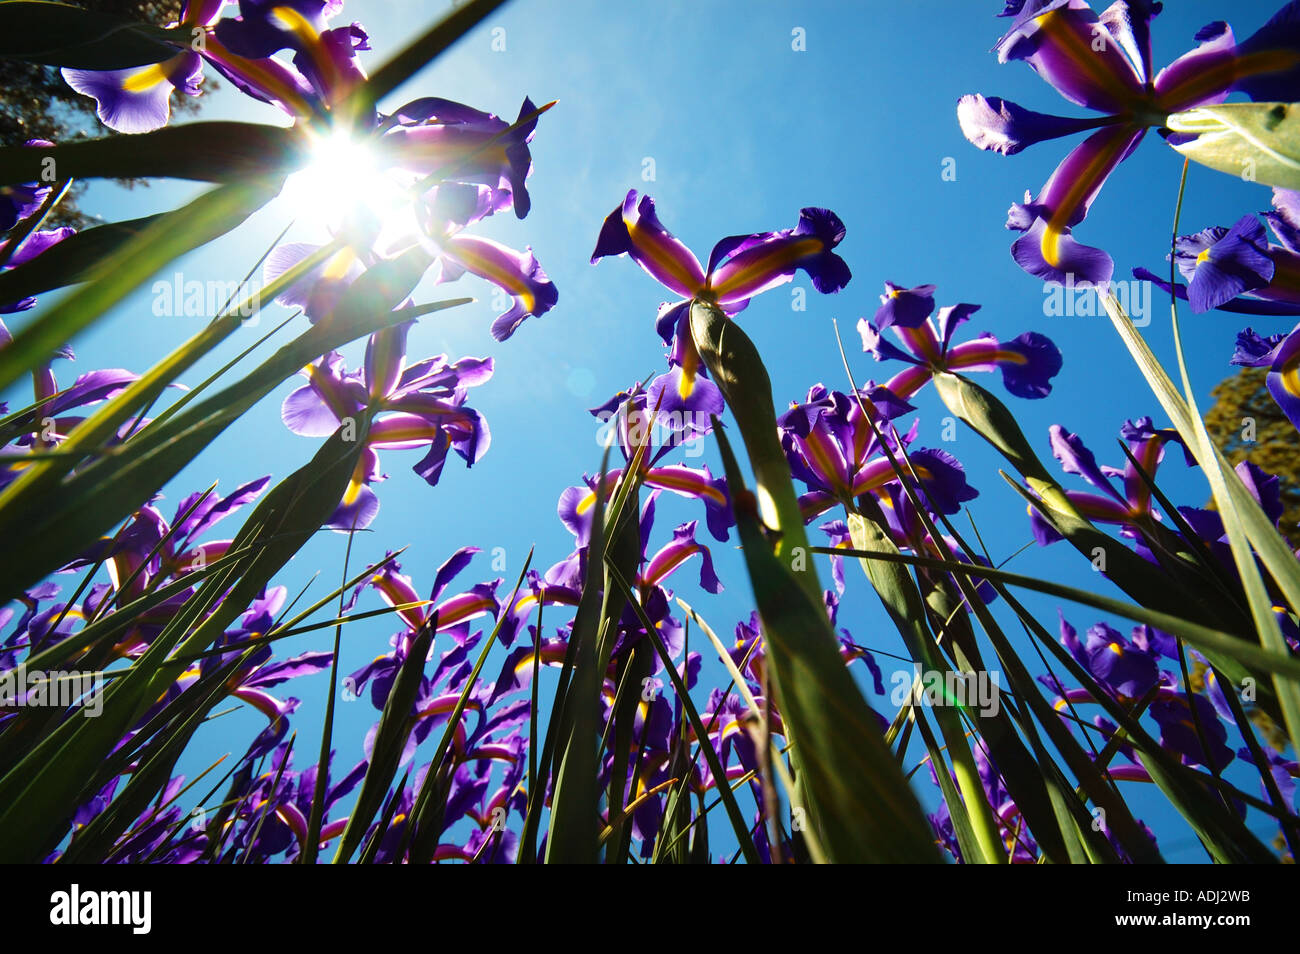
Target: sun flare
(345,182)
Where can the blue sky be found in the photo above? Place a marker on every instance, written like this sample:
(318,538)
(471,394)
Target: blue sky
(741,130)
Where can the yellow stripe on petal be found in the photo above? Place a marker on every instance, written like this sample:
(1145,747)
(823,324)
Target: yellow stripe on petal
(489,269)
(1082,54)
(146,79)
(353,491)
(673,562)
(1051,245)
(1212,79)
(1085,182)
(408,432)
(261,77)
(301,27)
(658,478)
(524,602)
(686,383)
(1291,377)
(829,468)
(652,250)
(295,23)
(338,265)
(356,482)
(772,261)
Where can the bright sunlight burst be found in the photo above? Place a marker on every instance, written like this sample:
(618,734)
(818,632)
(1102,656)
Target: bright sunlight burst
(345,181)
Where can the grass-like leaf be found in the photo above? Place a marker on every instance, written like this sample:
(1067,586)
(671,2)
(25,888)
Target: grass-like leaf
(210,215)
(395,726)
(211,151)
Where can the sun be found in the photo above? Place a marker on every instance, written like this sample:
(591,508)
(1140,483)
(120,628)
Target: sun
(345,183)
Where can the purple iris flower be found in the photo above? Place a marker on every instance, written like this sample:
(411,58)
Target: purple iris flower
(151,551)
(194,518)
(518,274)
(318,292)
(1103,63)
(49,419)
(909,533)
(89,388)
(850,651)
(17,202)
(284,86)
(35,625)
(1280,353)
(831,448)
(660,729)
(251,682)
(1130,507)
(473,146)
(32,246)
(673,555)
(739,268)
(265,27)
(454,616)
(149,832)
(941,822)
(473,800)
(628,417)
(270,810)
(1120,666)
(1238,269)
(1284,771)
(576,503)
(728,720)
(629,413)
(1126,670)
(284,827)
(439,694)
(485,736)
(1221,264)
(138,100)
(748,653)
(1124,747)
(1016,839)
(1028,362)
(1208,524)
(323,68)
(1178,730)
(562,585)
(517,671)
(420,406)
(440,216)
